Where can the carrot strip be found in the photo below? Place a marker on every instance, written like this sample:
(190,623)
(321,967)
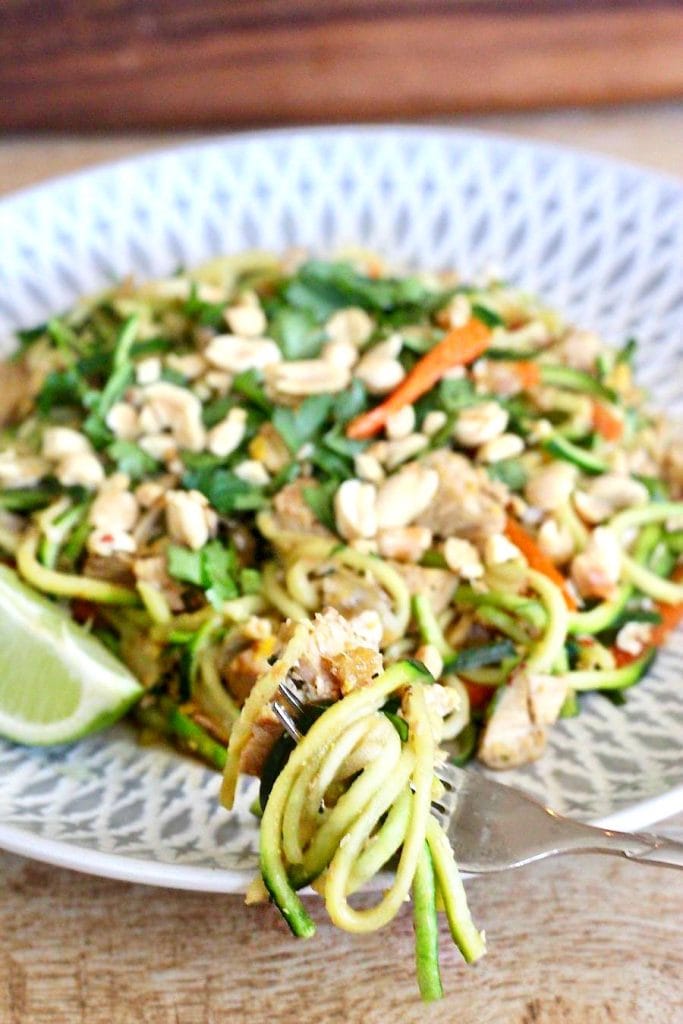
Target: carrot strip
(460,346)
(527,372)
(537,559)
(671,614)
(479,695)
(606,422)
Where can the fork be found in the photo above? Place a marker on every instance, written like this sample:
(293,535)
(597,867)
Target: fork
(494,827)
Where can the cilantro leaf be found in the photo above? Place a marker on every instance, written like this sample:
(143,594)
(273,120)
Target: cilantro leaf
(510,472)
(250,581)
(350,402)
(226,492)
(208,314)
(627,353)
(213,412)
(297,426)
(456,394)
(320,500)
(320,288)
(131,459)
(214,568)
(487,316)
(297,333)
(248,384)
(60,387)
(219,568)
(337,441)
(184,565)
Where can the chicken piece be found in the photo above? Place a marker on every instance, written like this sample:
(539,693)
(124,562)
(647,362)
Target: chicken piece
(292,513)
(467,504)
(437,585)
(673,468)
(13,391)
(517,730)
(351,594)
(248,665)
(336,660)
(265,731)
(114,568)
(154,570)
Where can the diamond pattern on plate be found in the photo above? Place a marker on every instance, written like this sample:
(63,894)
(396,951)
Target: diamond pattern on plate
(602,241)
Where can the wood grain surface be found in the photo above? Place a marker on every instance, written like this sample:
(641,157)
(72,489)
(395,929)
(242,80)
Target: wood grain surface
(106,64)
(588,940)
(584,942)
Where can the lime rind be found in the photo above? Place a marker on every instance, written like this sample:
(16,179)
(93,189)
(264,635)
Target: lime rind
(57,682)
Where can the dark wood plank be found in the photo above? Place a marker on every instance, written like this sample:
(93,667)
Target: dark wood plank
(107,64)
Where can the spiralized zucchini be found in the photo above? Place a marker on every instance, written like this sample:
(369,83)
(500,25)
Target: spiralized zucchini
(223,472)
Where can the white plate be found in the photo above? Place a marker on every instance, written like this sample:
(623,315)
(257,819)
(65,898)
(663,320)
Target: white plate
(600,240)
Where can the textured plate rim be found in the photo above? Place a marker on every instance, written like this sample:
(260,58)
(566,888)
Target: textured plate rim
(231,881)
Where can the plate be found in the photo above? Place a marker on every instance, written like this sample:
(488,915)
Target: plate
(601,241)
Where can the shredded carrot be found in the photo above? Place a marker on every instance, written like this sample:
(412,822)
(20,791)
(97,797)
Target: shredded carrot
(623,658)
(537,559)
(460,346)
(527,372)
(479,695)
(607,423)
(671,615)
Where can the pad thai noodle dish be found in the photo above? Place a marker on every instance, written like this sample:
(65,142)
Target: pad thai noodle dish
(435,511)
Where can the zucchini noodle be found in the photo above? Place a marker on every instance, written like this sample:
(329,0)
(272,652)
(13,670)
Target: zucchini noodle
(63,584)
(299,844)
(274,592)
(261,694)
(546,652)
(232,508)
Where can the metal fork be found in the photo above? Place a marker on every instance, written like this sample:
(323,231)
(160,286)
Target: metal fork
(494,827)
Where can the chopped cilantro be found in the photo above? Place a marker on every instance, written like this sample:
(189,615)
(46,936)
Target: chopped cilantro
(63,337)
(60,387)
(131,459)
(215,411)
(510,472)
(215,569)
(487,315)
(297,333)
(297,426)
(350,402)
(455,395)
(208,314)
(226,492)
(627,353)
(320,498)
(171,376)
(184,565)
(250,581)
(248,384)
(338,442)
(150,347)
(320,288)
(331,465)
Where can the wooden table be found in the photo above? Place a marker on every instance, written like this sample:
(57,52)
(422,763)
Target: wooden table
(586,941)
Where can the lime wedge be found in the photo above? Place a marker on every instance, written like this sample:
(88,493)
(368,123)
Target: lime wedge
(57,682)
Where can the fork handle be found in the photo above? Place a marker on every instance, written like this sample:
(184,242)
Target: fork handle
(644,847)
(656,850)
